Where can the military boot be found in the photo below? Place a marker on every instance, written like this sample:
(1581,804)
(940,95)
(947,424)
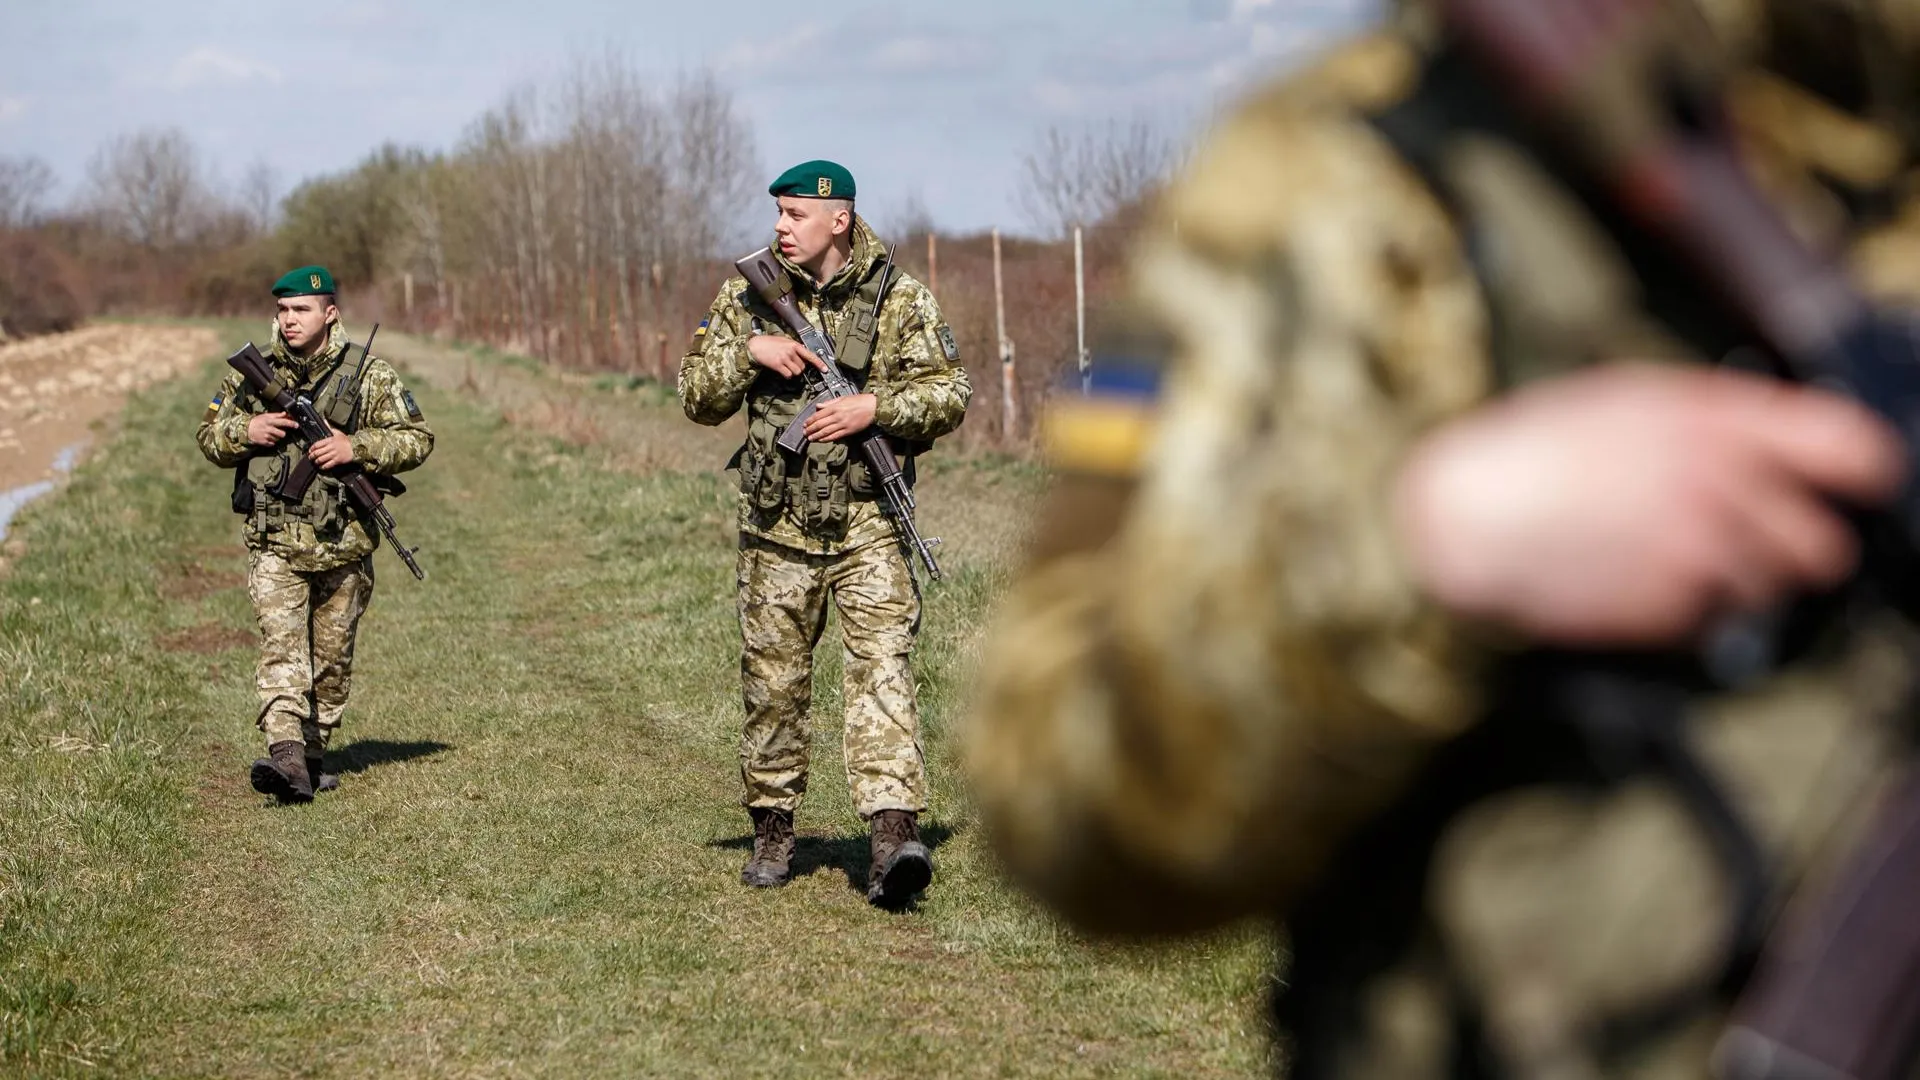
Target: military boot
(902,866)
(772,848)
(322,780)
(283,773)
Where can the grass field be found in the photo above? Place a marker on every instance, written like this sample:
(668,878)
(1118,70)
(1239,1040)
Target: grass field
(531,868)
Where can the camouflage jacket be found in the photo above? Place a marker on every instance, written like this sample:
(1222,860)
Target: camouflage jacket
(915,374)
(1217,666)
(391,437)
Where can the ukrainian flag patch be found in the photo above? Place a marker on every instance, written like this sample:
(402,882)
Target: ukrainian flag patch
(1108,430)
(213,407)
(700,334)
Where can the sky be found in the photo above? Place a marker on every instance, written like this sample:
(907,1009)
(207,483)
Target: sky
(934,102)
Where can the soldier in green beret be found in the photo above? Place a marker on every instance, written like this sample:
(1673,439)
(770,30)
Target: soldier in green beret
(310,563)
(810,528)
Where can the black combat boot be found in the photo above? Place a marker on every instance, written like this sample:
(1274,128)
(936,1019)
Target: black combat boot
(283,774)
(902,867)
(772,849)
(322,780)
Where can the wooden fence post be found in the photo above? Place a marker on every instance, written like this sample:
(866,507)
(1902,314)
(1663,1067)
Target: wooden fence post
(1080,312)
(933,262)
(1009,406)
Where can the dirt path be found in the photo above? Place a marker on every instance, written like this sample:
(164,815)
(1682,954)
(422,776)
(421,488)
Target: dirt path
(53,389)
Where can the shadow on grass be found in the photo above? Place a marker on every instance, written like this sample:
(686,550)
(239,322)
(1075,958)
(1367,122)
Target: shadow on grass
(372,753)
(848,854)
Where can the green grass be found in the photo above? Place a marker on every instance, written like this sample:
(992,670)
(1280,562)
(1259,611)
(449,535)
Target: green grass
(532,866)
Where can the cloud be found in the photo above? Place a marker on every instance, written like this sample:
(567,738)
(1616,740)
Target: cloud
(1227,47)
(12,108)
(759,54)
(912,54)
(210,66)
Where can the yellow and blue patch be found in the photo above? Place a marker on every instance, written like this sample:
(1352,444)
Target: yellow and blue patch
(700,334)
(213,407)
(1107,430)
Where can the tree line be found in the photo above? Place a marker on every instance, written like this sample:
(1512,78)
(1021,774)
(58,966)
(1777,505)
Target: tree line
(586,223)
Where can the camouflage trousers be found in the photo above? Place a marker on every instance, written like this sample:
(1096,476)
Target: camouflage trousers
(783,613)
(308,620)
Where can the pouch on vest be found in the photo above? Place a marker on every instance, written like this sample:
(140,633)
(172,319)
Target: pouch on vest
(822,489)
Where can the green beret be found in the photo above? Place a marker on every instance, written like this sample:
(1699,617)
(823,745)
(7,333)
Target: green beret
(814,180)
(306,281)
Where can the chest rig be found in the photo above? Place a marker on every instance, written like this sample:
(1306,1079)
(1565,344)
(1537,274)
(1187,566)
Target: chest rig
(818,484)
(1569,281)
(336,393)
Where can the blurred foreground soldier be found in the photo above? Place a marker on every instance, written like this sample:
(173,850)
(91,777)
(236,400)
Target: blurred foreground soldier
(1410,396)
(310,562)
(810,528)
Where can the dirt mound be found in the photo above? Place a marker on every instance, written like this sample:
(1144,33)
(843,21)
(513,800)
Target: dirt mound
(52,389)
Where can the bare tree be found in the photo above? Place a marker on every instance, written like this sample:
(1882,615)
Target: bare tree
(906,220)
(150,186)
(258,196)
(572,214)
(715,170)
(24,183)
(1081,177)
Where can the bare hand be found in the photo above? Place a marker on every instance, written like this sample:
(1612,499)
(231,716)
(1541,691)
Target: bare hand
(331,451)
(1636,506)
(841,418)
(267,429)
(781,355)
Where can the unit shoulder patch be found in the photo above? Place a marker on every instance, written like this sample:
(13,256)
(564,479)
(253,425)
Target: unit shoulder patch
(947,344)
(412,406)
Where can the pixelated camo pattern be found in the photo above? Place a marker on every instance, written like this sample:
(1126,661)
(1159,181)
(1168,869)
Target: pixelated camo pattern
(783,611)
(1218,664)
(308,621)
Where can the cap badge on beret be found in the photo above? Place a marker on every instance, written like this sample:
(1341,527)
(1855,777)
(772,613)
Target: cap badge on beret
(826,187)
(313,280)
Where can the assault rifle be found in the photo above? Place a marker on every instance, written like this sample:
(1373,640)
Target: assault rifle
(1624,96)
(775,286)
(362,492)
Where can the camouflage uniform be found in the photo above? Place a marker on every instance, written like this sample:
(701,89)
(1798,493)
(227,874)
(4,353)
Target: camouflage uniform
(810,528)
(1217,666)
(310,568)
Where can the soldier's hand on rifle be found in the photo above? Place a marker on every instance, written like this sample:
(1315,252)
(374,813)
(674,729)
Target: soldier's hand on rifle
(331,451)
(841,417)
(781,355)
(1633,505)
(267,429)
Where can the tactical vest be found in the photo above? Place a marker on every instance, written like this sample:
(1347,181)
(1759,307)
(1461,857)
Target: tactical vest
(819,484)
(336,394)
(1568,281)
